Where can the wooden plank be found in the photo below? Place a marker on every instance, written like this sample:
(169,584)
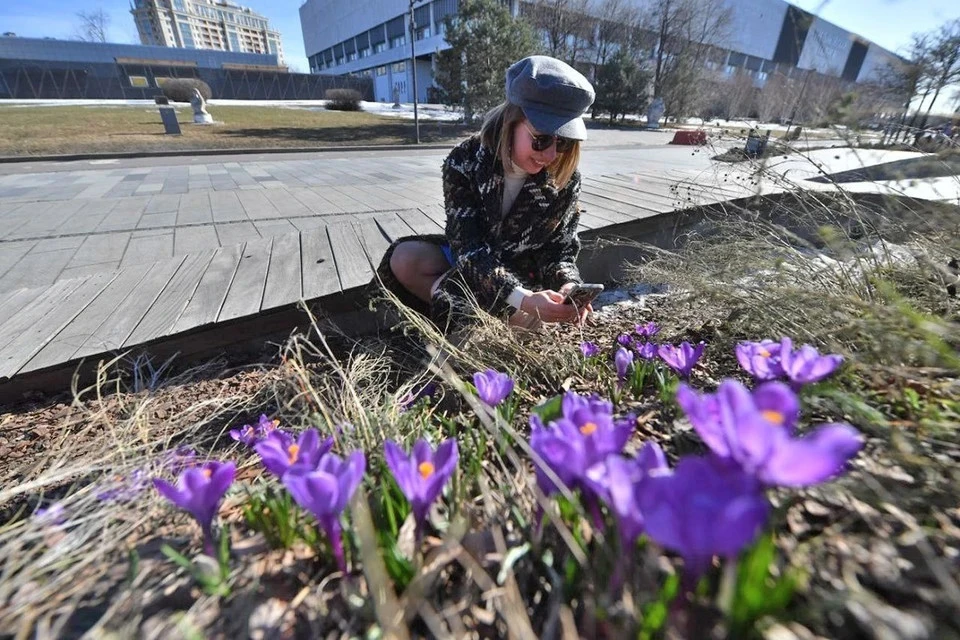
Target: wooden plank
(16,301)
(66,343)
(618,205)
(393,226)
(352,265)
(36,310)
(246,291)
(419,222)
(373,240)
(113,333)
(164,312)
(207,300)
(437,213)
(26,345)
(318,268)
(284,275)
(645,193)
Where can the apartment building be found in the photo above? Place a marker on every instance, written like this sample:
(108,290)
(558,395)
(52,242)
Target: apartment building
(205,24)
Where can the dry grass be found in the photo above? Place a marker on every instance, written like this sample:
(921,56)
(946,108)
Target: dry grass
(79,129)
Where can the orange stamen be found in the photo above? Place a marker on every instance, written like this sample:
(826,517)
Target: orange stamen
(292,451)
(588,428)
(773,416)
(426,469)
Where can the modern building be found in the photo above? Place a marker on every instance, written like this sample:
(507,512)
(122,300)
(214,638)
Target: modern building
(204,24)
(43,68)
(371,38)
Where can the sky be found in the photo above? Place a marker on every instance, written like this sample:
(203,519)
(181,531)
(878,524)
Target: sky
(889,23)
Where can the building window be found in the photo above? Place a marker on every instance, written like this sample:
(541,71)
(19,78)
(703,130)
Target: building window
(234,41)
(399,67)
(381,71)
(380,47)
(399,41)
(423,33)
(178,5)
(187,36)
(139,82)
(159,80)
(365,52)
(339,60)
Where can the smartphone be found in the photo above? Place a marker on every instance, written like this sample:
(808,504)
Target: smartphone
(583,294)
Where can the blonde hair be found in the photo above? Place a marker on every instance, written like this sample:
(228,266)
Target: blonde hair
(497,134)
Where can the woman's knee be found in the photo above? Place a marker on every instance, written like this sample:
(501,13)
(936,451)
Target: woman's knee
(403,261)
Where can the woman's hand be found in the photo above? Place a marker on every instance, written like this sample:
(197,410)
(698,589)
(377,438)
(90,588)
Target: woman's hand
(548,306)
(583,311)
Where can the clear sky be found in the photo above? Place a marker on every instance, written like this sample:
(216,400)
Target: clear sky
(889,23)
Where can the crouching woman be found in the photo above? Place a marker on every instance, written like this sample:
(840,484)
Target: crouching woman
(511,199)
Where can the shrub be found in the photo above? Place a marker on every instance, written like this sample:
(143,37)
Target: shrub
(343,99)
(180,89)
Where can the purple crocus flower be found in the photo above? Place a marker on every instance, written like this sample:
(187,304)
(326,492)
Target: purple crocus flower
(492,386)
(178,460)
(584,435)
(422,475)
(250,434)
(623,360)
(247,434)
(124,488)
(625,340)
(683,358)
(647,330)
(199,491)
(325,491)
(620,482)
(589,349)
(703,509)
(415,395)
(52,516)
(279,452)
(806,365)
(760,359)
(647,350)
(756,432)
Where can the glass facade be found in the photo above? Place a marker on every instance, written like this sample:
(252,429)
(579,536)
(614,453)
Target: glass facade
(33,68)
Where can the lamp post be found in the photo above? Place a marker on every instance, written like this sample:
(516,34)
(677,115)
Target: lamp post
(413,70)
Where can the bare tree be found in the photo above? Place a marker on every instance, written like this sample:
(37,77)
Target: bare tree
(776,97)
(686,31)
(944,59)
(93,25)
(617,20)
(564,25)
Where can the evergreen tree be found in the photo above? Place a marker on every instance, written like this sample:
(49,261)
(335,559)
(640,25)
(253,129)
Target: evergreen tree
(484,40)
(621,86)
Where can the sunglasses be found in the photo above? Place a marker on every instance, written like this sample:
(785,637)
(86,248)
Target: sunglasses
(543,141)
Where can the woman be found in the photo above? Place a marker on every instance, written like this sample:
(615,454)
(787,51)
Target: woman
(510,194)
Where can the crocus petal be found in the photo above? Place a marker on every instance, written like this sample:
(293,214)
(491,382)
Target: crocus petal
(704,415)
(775,399)
(814,458)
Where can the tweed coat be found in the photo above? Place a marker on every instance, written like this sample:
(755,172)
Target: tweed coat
(535,245)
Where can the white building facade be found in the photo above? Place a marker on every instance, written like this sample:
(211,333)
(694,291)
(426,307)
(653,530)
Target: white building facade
(372,37)
(205,24)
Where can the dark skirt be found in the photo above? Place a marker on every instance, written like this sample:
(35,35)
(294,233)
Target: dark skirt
(451,305)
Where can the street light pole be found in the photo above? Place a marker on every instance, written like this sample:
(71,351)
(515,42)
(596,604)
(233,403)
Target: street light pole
(413,70)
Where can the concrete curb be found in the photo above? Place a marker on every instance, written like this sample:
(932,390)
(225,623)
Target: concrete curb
(215,152)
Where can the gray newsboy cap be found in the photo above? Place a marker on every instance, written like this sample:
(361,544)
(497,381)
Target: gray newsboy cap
(552,94)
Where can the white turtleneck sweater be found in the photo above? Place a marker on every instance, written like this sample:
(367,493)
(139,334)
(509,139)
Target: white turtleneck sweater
(513,180)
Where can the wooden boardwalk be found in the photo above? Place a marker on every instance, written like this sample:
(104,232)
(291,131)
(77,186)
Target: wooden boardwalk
(95,315)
